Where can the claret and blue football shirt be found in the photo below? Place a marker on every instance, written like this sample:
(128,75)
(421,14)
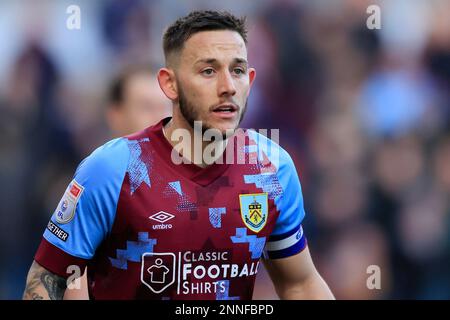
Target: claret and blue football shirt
(147,228)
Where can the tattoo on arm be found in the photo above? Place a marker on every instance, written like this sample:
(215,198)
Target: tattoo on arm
(41,282)
(55,285)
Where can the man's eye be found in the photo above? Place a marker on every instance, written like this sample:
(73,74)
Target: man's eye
(208,72)
(239,71)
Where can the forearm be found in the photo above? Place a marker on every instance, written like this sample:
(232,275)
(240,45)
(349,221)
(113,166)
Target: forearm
(313,288)
(43,285)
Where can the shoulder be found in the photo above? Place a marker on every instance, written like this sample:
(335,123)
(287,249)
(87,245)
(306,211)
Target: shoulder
(270,149)
(106,162)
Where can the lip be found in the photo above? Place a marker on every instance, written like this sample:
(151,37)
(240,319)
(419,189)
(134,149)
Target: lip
(231,113)
(231,106)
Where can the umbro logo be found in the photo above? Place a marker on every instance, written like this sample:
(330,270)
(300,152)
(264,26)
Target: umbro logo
(162,217)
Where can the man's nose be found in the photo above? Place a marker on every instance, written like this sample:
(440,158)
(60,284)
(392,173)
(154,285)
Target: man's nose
(226,84)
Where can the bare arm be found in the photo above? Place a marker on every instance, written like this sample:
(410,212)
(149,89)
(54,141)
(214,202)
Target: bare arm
(43,285)
(296,278)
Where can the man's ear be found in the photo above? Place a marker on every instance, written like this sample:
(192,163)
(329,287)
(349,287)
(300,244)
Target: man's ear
(167,83)
(251,77)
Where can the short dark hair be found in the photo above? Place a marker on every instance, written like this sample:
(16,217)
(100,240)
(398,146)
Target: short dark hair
(206,20)
(116,90)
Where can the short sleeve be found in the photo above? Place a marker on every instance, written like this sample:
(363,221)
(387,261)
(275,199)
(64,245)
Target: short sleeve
(287,237)
(86,212)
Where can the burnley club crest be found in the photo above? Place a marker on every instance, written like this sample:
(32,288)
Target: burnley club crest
(254,210)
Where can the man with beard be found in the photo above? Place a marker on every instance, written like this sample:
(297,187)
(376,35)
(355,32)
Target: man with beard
(155,216)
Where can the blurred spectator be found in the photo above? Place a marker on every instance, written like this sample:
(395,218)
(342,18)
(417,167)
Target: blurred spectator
(36,143)
(135,102)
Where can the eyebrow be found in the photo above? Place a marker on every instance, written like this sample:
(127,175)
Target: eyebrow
(215,61)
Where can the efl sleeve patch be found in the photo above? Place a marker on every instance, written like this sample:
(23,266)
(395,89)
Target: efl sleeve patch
(65,210)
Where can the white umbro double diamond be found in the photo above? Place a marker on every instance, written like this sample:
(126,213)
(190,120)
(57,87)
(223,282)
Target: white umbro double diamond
(161,216)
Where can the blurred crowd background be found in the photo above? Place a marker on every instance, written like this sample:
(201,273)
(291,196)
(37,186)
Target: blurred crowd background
(364,113)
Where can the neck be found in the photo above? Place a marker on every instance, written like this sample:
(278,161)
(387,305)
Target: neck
(190,144)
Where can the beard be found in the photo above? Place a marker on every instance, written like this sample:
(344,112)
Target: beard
(190,113)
